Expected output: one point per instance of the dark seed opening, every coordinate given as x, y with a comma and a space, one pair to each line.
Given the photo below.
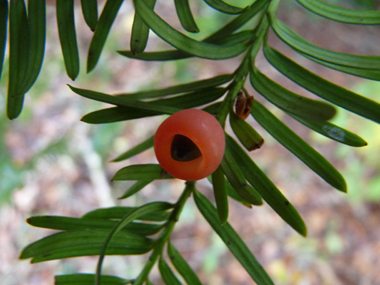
183, 149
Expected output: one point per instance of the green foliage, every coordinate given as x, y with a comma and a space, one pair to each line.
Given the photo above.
88, 279
348, 16
148, 228
102, 29
298, 147
181, 265
232, 240
90, 13
220, 194
18, 56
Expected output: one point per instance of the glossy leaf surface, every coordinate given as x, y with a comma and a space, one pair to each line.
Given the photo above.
141, 172
37, 31
90, 13
185, 101
128, 218
298, 147
18, 56
119, 212
333, 132
224, 7
140, 31
185, 16
247, 135
303, 46
238, 21
290, 102
67, 36
135, 150
181, 88
84, 242
116, 114
373, 74
223, 32
88, 279
322, 87
266, 188
232, 240
136, 188
220, 194
156, 55
68, 223
125, 102
234, 195
166, 273
184, 43
237, 37
103, 27
340, 14
182, 266
237, 179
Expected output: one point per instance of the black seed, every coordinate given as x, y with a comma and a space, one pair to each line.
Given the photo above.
184, 149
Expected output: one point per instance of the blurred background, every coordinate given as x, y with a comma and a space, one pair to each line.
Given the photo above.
51, 163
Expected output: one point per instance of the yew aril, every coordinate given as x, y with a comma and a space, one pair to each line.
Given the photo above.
190, 144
